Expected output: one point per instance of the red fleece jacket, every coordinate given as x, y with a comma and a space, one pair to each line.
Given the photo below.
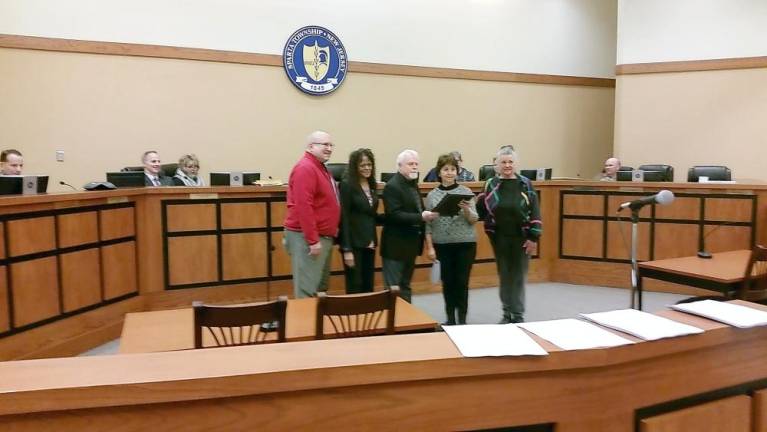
313, 207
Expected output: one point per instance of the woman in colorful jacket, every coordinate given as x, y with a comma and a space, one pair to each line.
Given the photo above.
509, 206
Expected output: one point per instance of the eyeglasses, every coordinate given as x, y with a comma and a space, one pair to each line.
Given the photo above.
330, 145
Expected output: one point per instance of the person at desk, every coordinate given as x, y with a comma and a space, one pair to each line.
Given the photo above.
11, 162
452, 240
464, 175
313, 216
403, 230
359, 213
152, 170
187, 172
610, 170
512, 217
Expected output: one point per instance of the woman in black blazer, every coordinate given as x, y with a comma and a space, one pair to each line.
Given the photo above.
359, 214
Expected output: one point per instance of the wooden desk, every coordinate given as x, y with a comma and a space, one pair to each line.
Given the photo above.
723, 272
172, 330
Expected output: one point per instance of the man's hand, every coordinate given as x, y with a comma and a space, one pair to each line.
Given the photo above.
315, 249
349, 259
428, 216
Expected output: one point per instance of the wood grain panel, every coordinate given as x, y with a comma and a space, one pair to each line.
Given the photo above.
244, 255
619, 240
675, 240
2, 240
583, 205
26, 236
731, 414
484, 248
378, 263
5, 319
731, 210
35, 290
80, 279
726, 238
280, 257
759, 411
682, 208
692, 65
582, 238
119, 267
77, 228
278, 209
118, 223
615, 201
192, 259
191, 217
336, 260
243, 215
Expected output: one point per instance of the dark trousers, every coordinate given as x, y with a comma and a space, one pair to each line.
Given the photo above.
455, 262
398, 273
511, 262
359, 279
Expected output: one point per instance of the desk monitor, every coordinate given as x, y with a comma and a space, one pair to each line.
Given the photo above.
234, 178
654, 176
26, 184
623, 176
126, 179
537, 174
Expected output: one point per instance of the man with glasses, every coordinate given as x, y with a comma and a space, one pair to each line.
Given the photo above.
312, 218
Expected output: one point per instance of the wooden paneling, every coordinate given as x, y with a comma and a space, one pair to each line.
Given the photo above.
759, 411
692, 65
35, 290
119, 268
279, 209
336, 259
244, 255
582, 238
26, 236
5, 319
615, 201
77, 228
731, 210
682, 208
280, 257
484, 248
191, 217
192, 259
117, 223
675, 240
243, 215
726, 238
2, 240
583, 205
378, 259
80, 279
731, 415
619, 240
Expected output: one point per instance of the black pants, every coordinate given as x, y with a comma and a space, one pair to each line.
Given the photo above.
456, 260
398, 273
511, 262
359, 279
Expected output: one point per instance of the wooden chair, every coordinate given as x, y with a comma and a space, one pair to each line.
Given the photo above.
754, 286
240, 325
356, 314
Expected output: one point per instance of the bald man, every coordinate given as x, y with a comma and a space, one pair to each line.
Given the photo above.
610, 171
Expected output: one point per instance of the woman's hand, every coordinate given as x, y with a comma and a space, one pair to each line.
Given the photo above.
431, 253
349, 259
530, 247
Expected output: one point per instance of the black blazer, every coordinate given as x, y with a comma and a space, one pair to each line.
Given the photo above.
403, 231
164, 181
358, 217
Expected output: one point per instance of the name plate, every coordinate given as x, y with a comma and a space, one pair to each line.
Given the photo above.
117, 200
203, 196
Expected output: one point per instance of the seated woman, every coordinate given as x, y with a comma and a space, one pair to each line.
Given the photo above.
186, 173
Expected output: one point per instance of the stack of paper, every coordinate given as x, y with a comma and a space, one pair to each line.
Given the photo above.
485, 340
641, 324
573, 334
728, 313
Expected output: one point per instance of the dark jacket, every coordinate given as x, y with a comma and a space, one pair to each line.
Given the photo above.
358, 217
164, 181
403, 231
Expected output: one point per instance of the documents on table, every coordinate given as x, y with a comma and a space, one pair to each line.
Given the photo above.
641, 324
573, 334
728, 313
484, 340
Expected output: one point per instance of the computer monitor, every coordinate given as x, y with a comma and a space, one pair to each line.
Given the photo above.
126, 179
15, 184
234, 178
532, 174
654, 176
623, 176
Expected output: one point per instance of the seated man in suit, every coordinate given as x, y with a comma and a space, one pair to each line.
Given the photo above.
11, 162
153, 170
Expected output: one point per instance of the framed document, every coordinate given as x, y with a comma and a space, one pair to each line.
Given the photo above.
449, 204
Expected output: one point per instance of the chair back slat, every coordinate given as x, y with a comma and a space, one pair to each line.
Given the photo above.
754, 286
239, 325
356, 314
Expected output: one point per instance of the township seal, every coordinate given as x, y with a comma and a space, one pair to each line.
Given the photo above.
315, 60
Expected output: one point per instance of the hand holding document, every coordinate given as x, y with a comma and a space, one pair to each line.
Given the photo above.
728, 313
573, 334
492, 340
641, 324
449, 205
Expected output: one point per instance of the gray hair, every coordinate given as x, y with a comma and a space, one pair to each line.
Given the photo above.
188, 158
456, 155
507, 151
404, 155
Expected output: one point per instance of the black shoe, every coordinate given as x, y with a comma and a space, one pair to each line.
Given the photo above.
517, 320
448, 323
505, 320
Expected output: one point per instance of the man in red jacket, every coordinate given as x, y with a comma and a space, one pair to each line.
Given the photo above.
312, 218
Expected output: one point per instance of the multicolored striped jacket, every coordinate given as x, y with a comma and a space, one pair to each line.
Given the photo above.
488, 200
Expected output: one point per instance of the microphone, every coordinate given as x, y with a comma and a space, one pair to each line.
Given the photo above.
63, 183
663, 197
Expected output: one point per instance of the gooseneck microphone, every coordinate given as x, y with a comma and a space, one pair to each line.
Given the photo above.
63, 183
663, 197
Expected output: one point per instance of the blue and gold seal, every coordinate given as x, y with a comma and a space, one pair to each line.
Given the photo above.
315, 60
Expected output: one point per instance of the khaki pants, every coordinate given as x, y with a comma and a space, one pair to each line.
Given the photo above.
310, 273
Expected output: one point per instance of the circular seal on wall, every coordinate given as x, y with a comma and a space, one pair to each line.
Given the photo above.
315, 60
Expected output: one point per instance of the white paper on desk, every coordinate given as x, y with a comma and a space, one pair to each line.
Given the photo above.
728, 313
641, 324
573, 334
485, 340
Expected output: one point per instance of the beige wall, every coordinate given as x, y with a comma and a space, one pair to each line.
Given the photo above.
104, 110
694, 118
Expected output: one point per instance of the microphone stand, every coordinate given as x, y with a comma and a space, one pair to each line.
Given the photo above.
636, 288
